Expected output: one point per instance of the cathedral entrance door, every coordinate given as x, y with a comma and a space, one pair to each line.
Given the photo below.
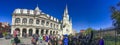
37, 31
24, 32
30, 32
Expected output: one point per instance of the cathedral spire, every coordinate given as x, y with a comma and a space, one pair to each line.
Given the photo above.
70, 20
66, 15
66, 9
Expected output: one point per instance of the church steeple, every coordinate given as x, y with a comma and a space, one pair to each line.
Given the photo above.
70, 20
66, 9
66, 22
66, 15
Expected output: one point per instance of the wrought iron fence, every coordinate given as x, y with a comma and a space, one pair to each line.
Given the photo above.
111, 37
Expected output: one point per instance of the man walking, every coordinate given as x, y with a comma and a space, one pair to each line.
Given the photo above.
101, 41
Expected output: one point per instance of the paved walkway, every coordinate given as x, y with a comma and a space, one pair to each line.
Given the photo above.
24, 41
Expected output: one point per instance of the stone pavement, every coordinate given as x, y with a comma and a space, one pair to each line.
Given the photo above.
4, 42
24, 41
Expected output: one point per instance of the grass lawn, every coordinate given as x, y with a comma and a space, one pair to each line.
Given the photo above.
112, 43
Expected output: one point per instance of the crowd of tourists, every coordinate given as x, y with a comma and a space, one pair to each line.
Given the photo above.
50, 39
66, 40
62, 39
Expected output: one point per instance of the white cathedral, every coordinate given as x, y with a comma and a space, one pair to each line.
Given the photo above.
37, 22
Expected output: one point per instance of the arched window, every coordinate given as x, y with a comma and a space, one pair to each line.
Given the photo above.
42, 22
17, 20
30, 21
47, 23
37, 21
57, 27
51, 25
24, 20
54, 25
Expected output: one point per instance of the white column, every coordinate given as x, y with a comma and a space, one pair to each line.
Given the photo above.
48, 32
27, 31
59, 26
34, 30
34, 22
20, 32
12, 30
45, 23
27, 21
39, 31
13, 20
40, 22
44, 31
49, 24
21, 21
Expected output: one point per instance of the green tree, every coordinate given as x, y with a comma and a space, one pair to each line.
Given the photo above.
116, 16
88, 31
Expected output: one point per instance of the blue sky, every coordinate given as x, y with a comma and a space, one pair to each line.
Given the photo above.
84, 13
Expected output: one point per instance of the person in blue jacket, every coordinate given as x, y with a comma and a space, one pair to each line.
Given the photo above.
46, 38
65, 40
101, 41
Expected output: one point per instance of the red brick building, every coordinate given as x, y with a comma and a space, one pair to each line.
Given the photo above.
82, 31
4, 27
